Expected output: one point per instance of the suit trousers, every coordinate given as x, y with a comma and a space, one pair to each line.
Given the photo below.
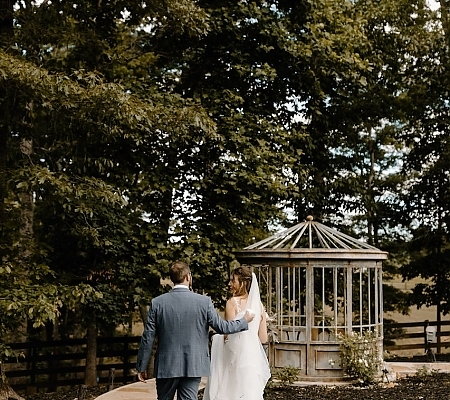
186, 388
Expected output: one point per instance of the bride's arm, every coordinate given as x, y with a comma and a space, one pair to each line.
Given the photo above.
230, 310
262, 330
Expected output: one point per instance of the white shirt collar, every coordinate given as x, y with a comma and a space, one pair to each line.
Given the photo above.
181, 286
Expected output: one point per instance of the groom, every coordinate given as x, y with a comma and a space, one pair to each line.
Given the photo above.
181, 320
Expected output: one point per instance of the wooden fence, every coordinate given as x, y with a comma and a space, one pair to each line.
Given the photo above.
62, 363
409, 336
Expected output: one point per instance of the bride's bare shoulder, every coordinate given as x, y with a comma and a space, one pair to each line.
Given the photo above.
230, 309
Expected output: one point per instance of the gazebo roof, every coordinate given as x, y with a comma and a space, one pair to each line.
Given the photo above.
310, 239
310, 234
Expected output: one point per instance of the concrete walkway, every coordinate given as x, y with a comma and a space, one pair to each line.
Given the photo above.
137, 391
147, 390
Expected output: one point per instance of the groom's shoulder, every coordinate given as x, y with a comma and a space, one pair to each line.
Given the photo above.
163, 297
201, 298
183, 293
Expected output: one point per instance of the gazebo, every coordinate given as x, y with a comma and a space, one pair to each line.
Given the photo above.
315, 283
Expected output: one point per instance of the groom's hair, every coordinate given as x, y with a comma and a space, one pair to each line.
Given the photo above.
178, 271
244, 276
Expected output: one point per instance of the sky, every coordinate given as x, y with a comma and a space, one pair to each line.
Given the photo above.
433, 4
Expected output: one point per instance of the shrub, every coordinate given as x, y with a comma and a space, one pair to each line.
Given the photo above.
359, 356
424, 371
282, 377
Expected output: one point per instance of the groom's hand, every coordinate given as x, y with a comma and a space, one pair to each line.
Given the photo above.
249, 316
142, 376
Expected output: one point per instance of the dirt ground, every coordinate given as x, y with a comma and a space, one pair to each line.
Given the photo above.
431, 387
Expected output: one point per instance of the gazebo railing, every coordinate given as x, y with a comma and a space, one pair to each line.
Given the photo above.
342, 299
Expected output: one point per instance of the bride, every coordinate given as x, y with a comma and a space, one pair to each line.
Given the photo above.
239, 366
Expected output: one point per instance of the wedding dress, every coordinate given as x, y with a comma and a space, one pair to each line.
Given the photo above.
239, 366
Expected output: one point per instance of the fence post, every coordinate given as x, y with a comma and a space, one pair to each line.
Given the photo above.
81, 392
112, 372
126, 359
33, 365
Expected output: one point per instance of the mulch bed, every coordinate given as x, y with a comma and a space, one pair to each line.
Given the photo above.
435, 386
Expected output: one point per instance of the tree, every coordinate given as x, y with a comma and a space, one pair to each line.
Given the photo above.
139, 133
83, 204
427, 165
261, 66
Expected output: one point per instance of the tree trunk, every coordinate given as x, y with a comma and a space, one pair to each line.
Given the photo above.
438, 331
6, 391
445, 19
27, 211
6, 23
90, 376
6, 34
53, 363
4, 132
143, 312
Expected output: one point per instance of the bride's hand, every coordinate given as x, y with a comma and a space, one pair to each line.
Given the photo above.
249, 315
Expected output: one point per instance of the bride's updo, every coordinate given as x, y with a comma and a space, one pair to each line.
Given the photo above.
244, 277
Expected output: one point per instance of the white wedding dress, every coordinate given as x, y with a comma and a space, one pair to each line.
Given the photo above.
239, 366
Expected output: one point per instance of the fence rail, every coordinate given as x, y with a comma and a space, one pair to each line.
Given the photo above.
411, 336
62, 362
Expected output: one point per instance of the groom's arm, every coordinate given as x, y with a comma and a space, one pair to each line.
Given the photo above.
226, 327
146, 345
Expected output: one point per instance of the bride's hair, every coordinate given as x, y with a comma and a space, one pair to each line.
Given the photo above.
244, 277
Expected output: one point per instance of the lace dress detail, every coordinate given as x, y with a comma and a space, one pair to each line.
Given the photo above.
239, 311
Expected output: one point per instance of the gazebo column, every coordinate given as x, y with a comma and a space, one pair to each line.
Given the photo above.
349, 299
309, 317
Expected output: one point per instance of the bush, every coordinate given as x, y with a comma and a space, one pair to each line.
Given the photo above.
282, 377
360, 356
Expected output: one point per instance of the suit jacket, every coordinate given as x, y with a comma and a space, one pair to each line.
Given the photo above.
181, 320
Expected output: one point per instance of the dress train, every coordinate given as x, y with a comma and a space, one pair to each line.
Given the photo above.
239, 366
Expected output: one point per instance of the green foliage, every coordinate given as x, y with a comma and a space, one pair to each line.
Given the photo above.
191, 138
29, 295
286, 375
360, 357
430, 257
427, 163
424, 372
95, 167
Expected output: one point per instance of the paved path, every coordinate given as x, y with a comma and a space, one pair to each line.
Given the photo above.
136, 391
147, 390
